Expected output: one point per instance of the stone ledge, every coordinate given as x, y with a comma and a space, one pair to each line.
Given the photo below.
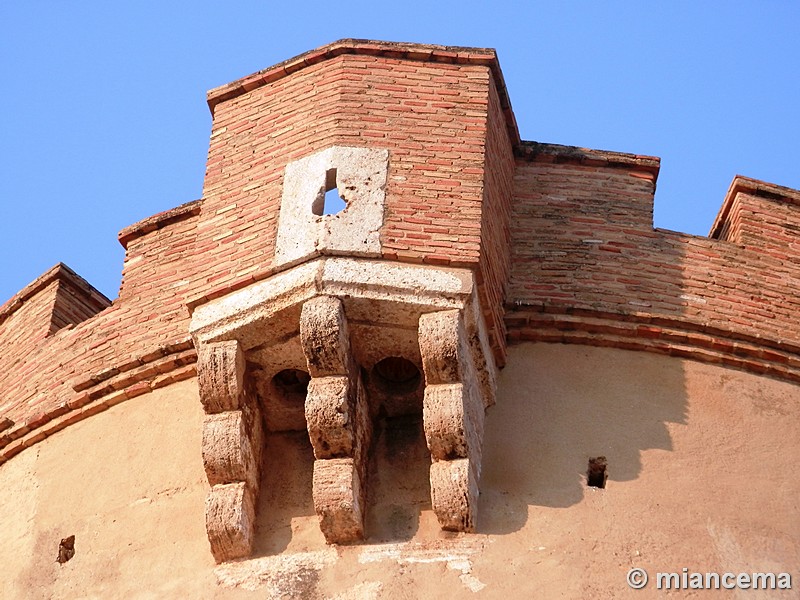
373, 279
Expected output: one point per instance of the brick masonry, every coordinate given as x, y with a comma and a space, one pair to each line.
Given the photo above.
560, 239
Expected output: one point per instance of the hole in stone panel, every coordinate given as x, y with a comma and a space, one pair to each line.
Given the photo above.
596, 474
293, 383
334, 203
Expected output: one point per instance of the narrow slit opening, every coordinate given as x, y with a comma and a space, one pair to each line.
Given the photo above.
333, 202
596, 475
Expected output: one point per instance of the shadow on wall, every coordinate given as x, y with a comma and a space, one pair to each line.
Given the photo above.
285, 496
398, 488
558, 406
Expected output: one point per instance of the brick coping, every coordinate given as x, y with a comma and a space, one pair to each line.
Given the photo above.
556, 153
755, 187
159, 220
681, 338
460, 55
58, 272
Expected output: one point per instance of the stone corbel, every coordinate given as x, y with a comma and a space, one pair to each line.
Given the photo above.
337, 418
232, 447
456, 396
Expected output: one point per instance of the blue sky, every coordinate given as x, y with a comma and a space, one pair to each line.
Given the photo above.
104, 120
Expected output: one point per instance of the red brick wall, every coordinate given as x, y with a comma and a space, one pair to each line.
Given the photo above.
495, 262
764, 222
139, 342
589, 267
74, 303
57, 299
431, 116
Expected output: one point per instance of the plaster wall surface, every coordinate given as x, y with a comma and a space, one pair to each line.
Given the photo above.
700, 460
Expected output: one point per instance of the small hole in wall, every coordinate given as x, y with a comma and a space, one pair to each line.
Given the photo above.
334, 203
66, 549
596, 474
396, 374
292, 382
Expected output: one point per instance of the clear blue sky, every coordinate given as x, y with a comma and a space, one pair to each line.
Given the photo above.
104, 120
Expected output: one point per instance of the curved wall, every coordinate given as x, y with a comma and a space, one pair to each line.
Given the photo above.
560, 238
129, 484
561, 244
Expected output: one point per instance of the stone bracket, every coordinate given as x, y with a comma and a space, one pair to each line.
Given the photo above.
230, 520
338, 420
232, 443
456, 396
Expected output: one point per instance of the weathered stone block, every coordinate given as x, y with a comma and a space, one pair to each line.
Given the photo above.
220, 375
360, 176
325, 337
331, 416
339, 499
454, 493
232, 448
453, 416
230, 521
441, 343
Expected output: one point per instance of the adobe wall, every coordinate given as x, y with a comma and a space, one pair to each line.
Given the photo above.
130, 485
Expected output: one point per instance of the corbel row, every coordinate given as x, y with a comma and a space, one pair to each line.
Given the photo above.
459, 386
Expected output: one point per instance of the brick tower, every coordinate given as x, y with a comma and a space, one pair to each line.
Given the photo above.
483, 370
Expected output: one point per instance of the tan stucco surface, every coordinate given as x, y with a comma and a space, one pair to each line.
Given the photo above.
701, 475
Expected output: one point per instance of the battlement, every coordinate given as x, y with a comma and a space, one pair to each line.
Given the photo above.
57, 299
458, 239
760, 216
424, 53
